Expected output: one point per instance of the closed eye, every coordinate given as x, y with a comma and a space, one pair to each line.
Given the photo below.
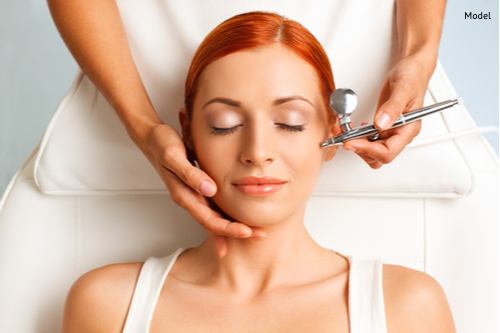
291, 128
224, 131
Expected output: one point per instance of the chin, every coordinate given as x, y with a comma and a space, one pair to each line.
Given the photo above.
253, 214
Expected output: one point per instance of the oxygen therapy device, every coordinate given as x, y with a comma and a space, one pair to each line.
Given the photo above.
344, 101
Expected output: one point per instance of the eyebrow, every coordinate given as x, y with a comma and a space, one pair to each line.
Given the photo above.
284, 100
223, 100
277, 102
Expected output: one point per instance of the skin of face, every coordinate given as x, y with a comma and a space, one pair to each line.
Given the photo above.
259, 112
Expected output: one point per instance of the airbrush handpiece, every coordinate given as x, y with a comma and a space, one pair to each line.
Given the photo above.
344, 106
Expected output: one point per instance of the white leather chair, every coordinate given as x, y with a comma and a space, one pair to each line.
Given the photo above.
86, 197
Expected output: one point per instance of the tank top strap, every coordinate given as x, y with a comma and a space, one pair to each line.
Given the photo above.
366, 298
147, 291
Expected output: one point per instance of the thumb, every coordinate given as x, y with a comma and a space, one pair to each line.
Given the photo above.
195, 178
391, 109
220, 245
399, 93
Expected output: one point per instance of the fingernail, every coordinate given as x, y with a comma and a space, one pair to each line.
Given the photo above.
350, 148
383, 120
207, 189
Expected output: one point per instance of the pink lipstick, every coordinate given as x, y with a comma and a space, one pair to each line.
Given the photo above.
258, 186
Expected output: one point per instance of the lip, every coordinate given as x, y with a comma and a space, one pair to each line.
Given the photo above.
258, 186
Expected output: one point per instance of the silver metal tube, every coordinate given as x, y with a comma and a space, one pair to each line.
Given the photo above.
369, 130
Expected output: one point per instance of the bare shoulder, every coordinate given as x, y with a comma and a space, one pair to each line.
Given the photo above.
415, 302
99, 300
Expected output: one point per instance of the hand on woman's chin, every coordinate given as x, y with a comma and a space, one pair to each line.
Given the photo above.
239, 217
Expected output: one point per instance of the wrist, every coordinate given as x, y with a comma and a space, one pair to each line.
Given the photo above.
428, 49
424, 56
139, 121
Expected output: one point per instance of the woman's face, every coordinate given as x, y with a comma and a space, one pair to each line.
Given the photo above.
257, 124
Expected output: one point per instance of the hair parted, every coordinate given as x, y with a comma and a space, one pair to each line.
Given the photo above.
254, 29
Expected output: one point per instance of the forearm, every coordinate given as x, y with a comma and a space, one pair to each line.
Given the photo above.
419, 26
94, 33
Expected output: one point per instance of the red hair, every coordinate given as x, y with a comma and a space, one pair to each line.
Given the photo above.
256, 29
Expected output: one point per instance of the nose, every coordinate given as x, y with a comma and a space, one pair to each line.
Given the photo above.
259, 146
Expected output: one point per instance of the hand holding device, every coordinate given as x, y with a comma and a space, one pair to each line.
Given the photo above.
344, 101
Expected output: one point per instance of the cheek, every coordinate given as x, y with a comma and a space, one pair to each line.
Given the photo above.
304, 157
305, 161
307, 145
214, 154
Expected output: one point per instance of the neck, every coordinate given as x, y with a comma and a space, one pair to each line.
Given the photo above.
288, 255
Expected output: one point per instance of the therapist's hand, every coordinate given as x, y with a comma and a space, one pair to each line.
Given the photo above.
188, 186
419, 25
94, 33
403, 90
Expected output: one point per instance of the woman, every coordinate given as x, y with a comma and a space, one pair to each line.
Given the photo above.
95, 35
256, 111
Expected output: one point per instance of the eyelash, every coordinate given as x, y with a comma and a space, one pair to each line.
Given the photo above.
225, 131
292, 128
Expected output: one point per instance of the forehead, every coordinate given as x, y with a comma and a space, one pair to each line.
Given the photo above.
259, 74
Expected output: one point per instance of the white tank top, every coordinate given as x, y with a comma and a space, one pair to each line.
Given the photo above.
366, 300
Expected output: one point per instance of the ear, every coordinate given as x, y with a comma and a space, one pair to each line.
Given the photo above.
186, 126
333, 131
182, 119
187, 138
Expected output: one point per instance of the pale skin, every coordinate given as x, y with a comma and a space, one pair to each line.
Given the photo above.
94, 33
287, 282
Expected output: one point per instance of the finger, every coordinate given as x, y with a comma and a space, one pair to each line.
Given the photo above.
385, 150
258, 233
175, 161
372, 163
352, 144
379, 150
197, 206
210, 220
358, 146
220, 245
402, 96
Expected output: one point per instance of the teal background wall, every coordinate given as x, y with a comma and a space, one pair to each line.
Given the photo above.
469, 55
